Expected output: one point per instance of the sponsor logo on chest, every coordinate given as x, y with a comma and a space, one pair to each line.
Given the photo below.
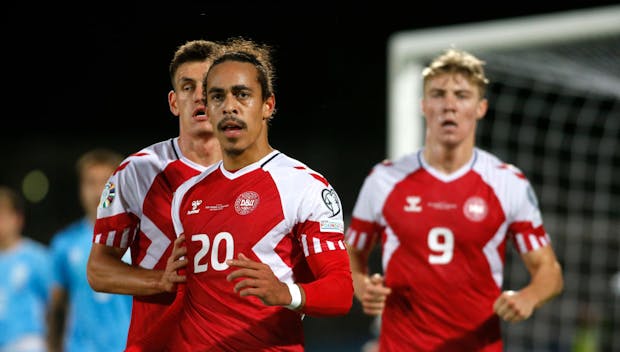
413, 204
195, 205
475, 207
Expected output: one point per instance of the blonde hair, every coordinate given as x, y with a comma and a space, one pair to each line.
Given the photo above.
458, 61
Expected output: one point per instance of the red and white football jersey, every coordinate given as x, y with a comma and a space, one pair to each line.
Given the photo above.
276, 211
134, 212
443, 243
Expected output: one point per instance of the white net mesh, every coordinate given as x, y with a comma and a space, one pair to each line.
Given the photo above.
555, 113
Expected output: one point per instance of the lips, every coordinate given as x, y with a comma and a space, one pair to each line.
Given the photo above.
232, 127
200, 114
449, 124
231, 123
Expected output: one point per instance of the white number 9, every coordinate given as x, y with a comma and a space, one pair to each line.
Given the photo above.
440, 240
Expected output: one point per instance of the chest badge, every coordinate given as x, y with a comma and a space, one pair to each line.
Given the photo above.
475, 209
246, 202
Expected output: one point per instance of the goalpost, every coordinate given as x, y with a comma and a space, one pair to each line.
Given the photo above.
408, 52
554, 111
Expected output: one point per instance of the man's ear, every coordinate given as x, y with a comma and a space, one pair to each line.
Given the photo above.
483, 105
269, 107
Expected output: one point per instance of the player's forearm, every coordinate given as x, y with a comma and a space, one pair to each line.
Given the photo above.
546, 283
328, 297
359, 283
332, 293
55, 320
114, 276
359, 271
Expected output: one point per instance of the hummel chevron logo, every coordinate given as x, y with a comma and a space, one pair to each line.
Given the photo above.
413, 204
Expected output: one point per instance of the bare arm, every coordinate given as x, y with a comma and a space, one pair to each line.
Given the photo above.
546, 282
56, 319
107, 272
370, 291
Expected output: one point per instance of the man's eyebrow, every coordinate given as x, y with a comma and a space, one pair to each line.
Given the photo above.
215, 90
185, 79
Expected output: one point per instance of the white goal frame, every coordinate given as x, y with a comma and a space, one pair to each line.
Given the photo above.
407, 51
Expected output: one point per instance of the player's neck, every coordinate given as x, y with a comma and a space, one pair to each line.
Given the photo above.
447, 159
204, 151
234, 160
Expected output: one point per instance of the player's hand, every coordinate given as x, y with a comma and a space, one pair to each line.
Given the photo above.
374, 295
514, 306
173, 274
257, 279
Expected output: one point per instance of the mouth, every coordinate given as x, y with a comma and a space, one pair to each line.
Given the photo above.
200, 114
231, 126
449, 124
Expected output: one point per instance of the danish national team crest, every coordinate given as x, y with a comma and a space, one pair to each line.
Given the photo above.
330, 198
108, 195
246, 202
475, 209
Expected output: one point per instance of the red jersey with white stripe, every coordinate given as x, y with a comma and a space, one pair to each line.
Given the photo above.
443, 247
276, 211
134, 212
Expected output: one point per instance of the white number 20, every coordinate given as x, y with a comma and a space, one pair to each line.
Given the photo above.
216, 263
440, 241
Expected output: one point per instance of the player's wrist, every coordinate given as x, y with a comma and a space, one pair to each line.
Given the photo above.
295, 292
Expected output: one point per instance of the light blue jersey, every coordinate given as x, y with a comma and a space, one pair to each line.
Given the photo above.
96, 322
25, 283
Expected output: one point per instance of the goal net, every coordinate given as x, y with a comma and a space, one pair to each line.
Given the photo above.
554, 111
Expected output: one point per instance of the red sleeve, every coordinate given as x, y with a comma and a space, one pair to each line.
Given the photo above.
363, 235
116, 231
331, 294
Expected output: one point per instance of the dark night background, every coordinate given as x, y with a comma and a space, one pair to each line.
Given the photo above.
94, 74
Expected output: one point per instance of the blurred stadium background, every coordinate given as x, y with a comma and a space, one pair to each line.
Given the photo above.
97, 76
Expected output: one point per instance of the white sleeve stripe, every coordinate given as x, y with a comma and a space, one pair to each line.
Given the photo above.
304, 243
543, 241
125, 238
110, 240
534, 242
98, 238
341, 245
350, 236
362, 241
317, 245
521, 243
330, 245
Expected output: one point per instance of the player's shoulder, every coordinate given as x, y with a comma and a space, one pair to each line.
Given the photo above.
396, 166
193, 181
156, 155
34, 247
284, 166
69, 232
489, 163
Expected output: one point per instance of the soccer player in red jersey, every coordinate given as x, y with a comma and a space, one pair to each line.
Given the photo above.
443, 216
135, 206
264, 233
